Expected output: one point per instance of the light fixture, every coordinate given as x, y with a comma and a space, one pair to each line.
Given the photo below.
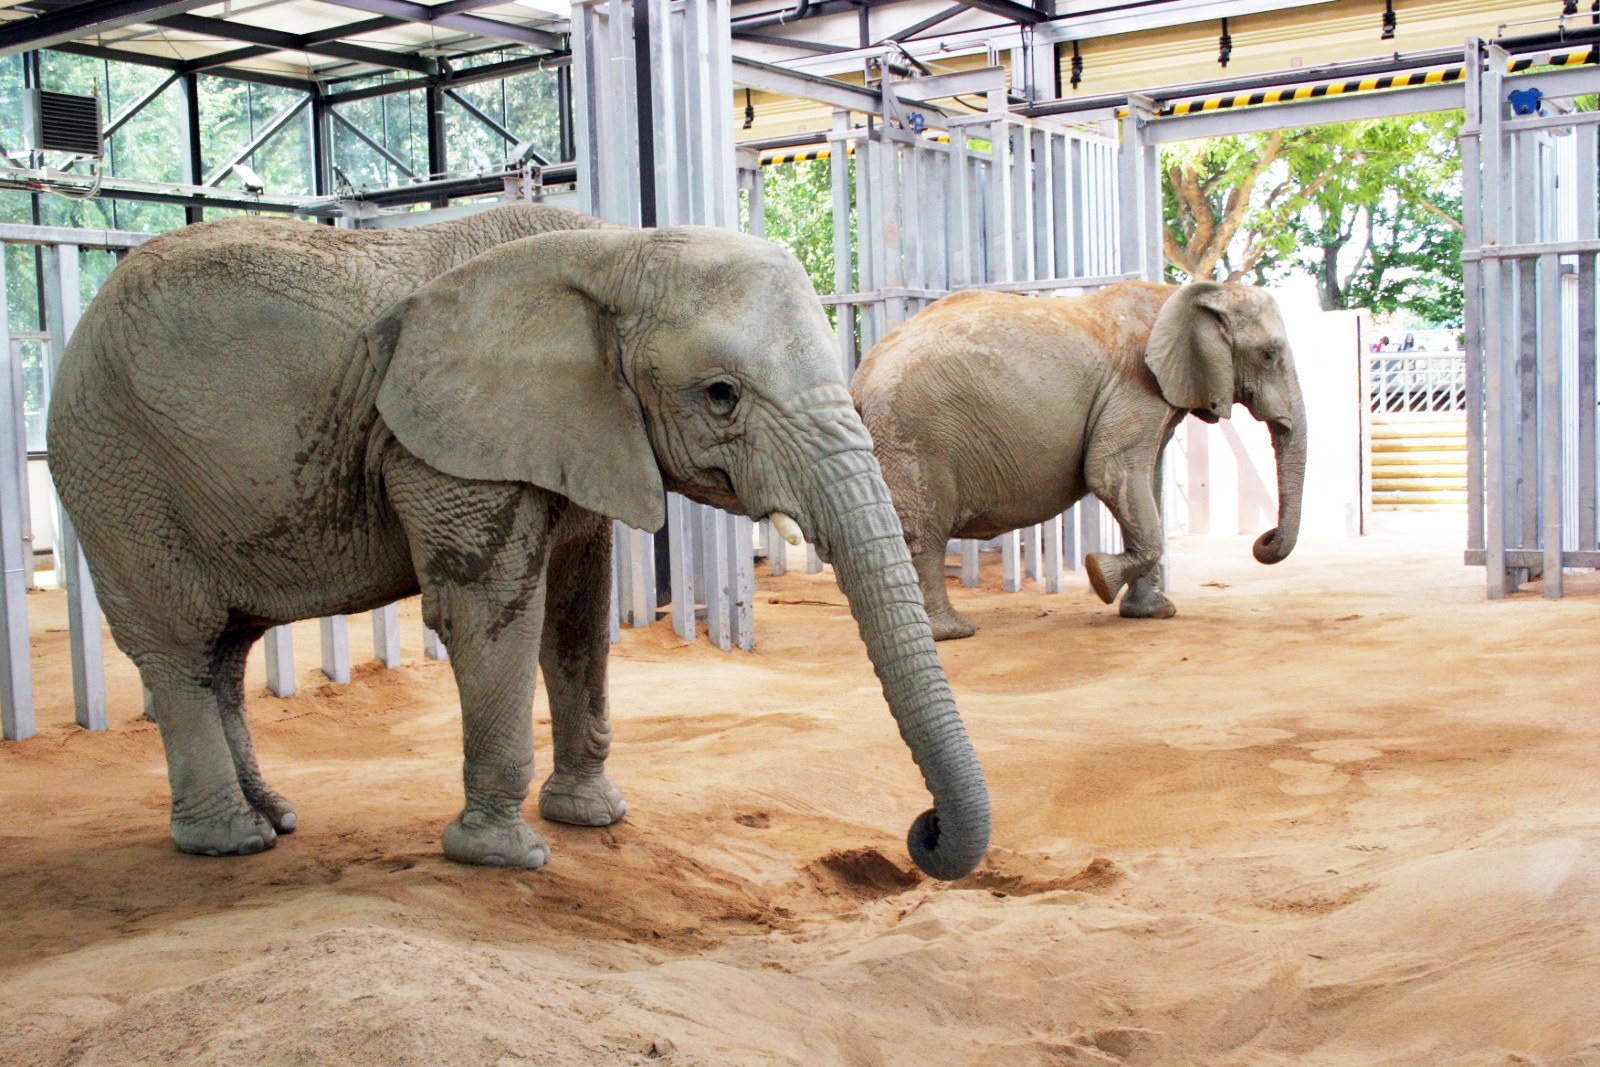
1388, 21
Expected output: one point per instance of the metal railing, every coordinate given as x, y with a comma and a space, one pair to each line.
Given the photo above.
1418, 382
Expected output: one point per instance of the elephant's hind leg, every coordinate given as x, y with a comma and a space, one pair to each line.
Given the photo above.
231, 654
927, 556
575, 649
210, 814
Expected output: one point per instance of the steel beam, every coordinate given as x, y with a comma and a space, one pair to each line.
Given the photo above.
386, 635
336, 648
455, 18
1022, 14
910, 32
478, 113
1323, 111
830, 91
270, 130
371, 142
63, 306
962, 83
293, 42
144, 59
279, 643
134, 108
16, 665
85, 20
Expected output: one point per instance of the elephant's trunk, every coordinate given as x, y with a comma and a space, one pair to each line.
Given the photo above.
854, 526
1289, 442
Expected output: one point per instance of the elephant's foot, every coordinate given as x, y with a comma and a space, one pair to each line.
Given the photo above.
239, 832
1144, 601
581, 801
278, 811
476, 837
1105, 575
951, 626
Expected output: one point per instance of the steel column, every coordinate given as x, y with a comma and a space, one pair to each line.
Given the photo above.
16, 666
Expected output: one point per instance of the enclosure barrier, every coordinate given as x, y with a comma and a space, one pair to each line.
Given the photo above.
1529, 248
24, 400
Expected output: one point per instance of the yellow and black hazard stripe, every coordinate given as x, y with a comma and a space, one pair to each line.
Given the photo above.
808, 153
1364, 85
1314, 92
1556, 59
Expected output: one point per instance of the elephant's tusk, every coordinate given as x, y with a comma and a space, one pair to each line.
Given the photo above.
787, 528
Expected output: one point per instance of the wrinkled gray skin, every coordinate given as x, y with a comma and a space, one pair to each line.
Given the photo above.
991, 412
260, 421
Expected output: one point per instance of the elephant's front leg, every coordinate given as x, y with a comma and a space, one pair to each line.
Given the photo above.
577, 642
1122, 481
480, 550
1144, 599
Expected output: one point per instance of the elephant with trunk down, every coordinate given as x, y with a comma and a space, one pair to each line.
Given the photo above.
991, 412
259, 421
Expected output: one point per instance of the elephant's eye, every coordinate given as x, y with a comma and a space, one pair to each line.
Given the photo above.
722, 396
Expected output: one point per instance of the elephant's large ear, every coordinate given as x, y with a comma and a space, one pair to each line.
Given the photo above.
1191, 350
507, 369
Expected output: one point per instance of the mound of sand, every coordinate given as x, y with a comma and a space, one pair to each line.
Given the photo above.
1340, 812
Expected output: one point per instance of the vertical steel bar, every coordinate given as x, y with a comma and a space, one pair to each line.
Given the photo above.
1588, 164
63, 302
433, 646
969, 563
717, 592
279, 642
1031, 552
742, 581
1491, 148
1011, 562
680, 548
16, 666
1550, 415
336, 648
1052, 554
386, 635
1525, 205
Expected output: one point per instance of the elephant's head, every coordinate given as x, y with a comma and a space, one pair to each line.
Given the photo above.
609, 364
1214, 345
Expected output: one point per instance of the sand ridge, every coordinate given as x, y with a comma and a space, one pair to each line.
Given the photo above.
1338, 812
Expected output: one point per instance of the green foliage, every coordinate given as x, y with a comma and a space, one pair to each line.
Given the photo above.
798, 201
1370, 210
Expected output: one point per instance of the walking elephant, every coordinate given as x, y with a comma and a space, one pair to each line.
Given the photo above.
991, 412
259, 421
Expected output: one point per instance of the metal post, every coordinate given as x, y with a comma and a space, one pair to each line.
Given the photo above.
1011, 562
189, 136
742, 575
321, 142
386, 635
62, 310
16, 668
433, 646
280, 661
336, 648
716, 590
969, 563
680, 539
1491, 147
1550, 421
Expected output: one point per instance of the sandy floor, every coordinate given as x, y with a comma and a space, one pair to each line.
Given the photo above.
1341, 811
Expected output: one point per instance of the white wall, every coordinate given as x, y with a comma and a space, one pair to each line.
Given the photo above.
1225, 476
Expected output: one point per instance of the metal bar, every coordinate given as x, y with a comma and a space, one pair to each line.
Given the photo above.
910, 32
24, 233
1052, 554
1472, 320
1524, 204
84, 20
1527, 558
270, 130
63, 306
292, 42
370, 142
742, 582
279, 642
815, 47
16, 666
1322, 111
1550, 421
1010, 10
1011, 562
484, 27
477, 113
680, 550
144, 59
748, 73
716, 592
1533, 249
386, 635
336, 648
321, 144
438, 145
193, 160
969, 563
1492, 153
433, 646
135, 107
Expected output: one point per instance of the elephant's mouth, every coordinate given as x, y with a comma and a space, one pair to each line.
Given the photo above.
710, 485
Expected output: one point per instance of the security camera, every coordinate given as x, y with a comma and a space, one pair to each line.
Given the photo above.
250, 179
